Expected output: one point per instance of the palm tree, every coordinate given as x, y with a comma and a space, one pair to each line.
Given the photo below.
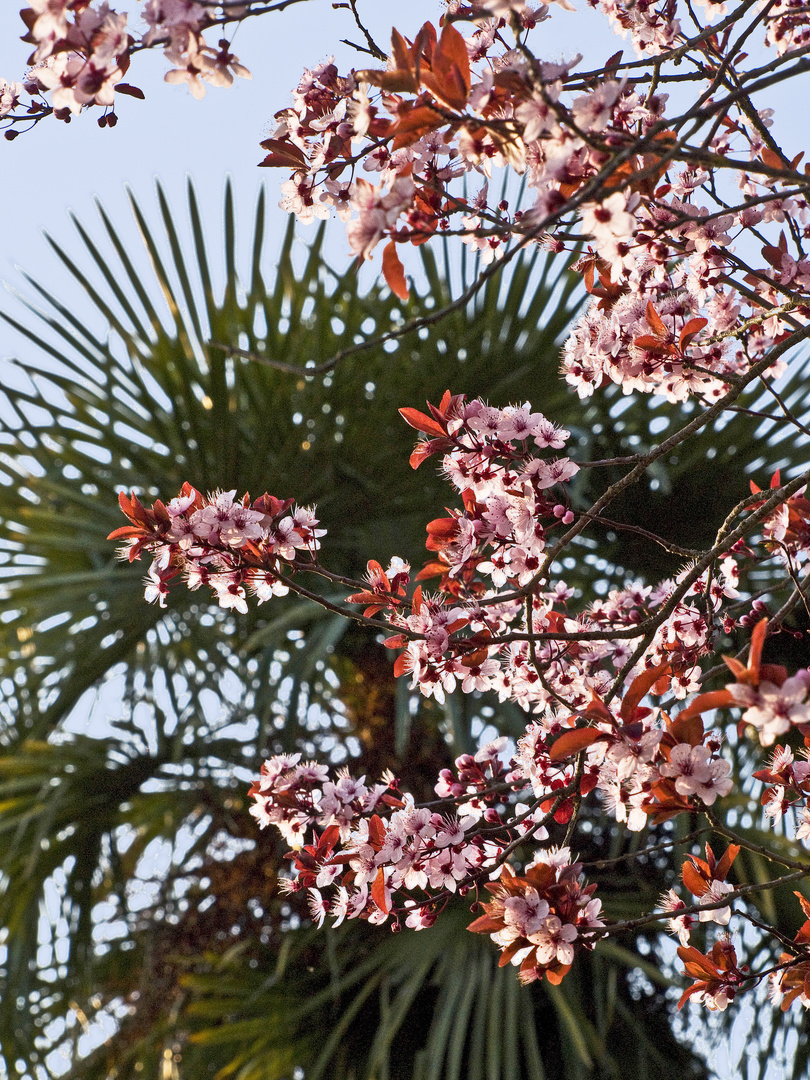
144, 932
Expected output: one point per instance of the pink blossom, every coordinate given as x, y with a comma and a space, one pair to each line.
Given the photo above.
715, 892
377, 212
681, 925
697, 773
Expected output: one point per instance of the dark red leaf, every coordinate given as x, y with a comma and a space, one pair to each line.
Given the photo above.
131, 91
714, 699
696, 884
283, 154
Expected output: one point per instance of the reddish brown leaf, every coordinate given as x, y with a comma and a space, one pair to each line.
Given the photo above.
134, 509
400, 51
589, 276
686, 729
621, 174
449, 80
690, 955
402, 665
510, 951
654, 165
378, 891
772, 255
475, 659
362, 598
771, 159
376, 832
424, 47
443, 530
737, 669
556, 976
395, 642
755, 653
329, 837
431, 569
654, 344
394, 271
597, 710
723, 867
392, 82
421, 422
714, 699
414, 121
471, 505
423, 450
162, 516
654, 320
485, 924
638, 688
125, 530
588, 782
451, 51
130, 91
571, 742
693, 327
696, 884
694, 989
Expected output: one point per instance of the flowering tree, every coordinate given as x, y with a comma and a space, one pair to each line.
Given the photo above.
661, 180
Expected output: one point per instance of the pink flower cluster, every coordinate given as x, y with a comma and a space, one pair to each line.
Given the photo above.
178, 26
378, 856
83, 49
693, 226
536, 918
473, 634
230, 546
82, 52
653, 28
635, 765
368, 851
790, 786
788, 26
772, 709
376, 849
670, 294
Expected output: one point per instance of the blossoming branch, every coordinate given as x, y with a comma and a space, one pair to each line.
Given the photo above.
503, 619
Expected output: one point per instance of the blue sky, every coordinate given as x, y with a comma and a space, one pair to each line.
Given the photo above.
171, 135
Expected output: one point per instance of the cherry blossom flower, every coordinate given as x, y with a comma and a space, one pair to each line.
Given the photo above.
773, 709
697, 773
377, 211
681, 925
10, 93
